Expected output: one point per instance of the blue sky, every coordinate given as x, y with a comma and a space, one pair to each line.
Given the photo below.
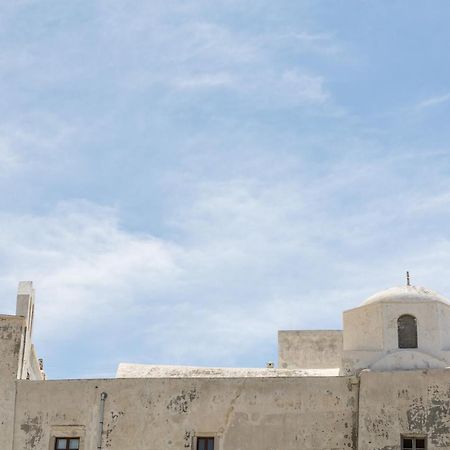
181, 179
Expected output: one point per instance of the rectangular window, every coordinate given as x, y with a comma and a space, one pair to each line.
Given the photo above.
205, 443
67, 443
414, 443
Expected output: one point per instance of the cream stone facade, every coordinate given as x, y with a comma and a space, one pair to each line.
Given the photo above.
381, 383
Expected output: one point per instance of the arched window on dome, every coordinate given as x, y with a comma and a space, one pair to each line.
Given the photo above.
407, 331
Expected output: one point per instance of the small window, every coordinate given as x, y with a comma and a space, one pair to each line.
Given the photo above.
67, 443
407, 331
413, 443
205, 443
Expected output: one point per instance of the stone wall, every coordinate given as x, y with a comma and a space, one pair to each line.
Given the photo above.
412, 403
11, 335
371, 337
311, 349
162, 414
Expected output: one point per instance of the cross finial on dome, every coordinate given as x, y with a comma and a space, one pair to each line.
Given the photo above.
408, 281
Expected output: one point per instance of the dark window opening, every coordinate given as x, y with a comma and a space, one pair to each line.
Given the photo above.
67, 443
407, 331
205, 443
411, 443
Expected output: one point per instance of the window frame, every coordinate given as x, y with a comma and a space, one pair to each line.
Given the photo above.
414, 438
68, 439
67, 432
206, 434
402, 335
206, 439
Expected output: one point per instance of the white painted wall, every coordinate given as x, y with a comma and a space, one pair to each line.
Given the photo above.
315, 413
413, 402
309, 349
247, 409
11, 332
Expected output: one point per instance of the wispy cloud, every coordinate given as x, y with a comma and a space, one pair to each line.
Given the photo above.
250, 256
78, 256
35, 141
433, 101
193, 54
307, 41
304, 87
204, 81
9, 160
245, 176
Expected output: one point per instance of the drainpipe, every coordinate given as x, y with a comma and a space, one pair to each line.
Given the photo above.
103, 396
358, 411
357, 382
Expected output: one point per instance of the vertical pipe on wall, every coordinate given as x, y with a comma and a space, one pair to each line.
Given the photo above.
103, 396
358, 406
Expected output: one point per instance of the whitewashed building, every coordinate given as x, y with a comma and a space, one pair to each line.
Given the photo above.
381, 383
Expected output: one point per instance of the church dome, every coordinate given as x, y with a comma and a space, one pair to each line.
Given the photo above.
406, 294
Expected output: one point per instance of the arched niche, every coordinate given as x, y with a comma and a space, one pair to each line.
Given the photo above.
407, 331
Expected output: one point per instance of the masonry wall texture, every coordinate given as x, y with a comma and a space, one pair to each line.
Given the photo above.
251, 414
309, 349
11, 329
335, 390
404, 403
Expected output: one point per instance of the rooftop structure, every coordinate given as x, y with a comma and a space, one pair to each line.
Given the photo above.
379, 383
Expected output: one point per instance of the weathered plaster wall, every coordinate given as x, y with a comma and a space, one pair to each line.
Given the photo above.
126, 370
444, 321
29, 366
18, 358
163, 414
11, 330
315, 349
371, 337
363, 328
409, 403
33, 365
427, 318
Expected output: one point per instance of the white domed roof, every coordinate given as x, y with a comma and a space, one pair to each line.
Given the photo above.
406, 294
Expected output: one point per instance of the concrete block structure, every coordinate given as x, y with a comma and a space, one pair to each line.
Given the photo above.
381, 383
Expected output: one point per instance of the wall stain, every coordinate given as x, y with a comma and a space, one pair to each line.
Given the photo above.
115, 416
180, 404
432, 416
230, 410
187, 439
379, 425
33, 429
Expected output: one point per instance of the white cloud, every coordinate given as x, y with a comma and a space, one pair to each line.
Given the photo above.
433, 101
204, 81
305, 41
304, 87
33, 140
82, 262
263, 235
181, 49
9, 160
251, 256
